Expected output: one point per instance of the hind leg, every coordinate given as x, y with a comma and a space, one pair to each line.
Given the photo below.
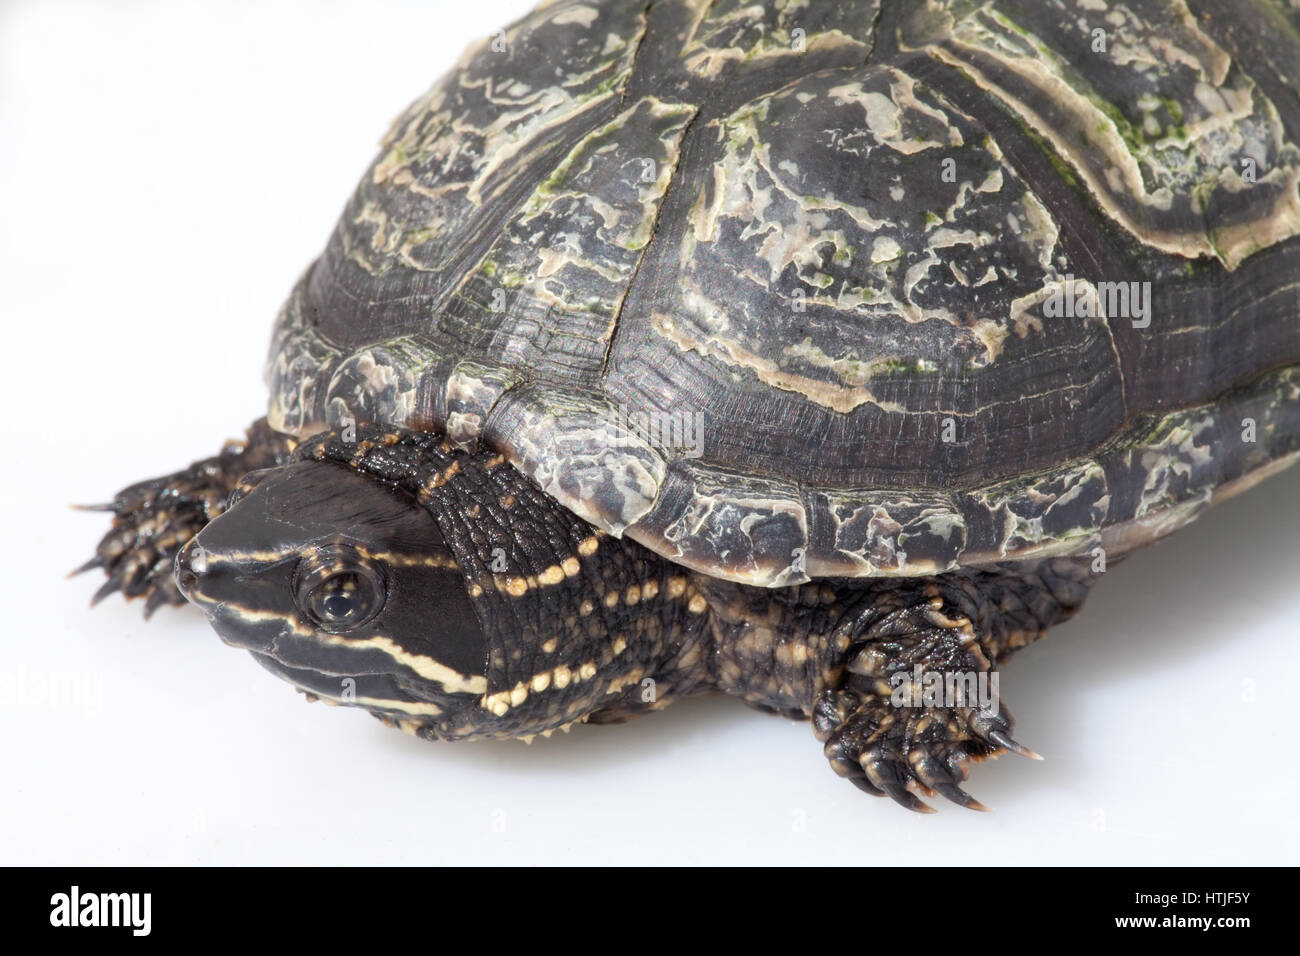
919, 697
154, 519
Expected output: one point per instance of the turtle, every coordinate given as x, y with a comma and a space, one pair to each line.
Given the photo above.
822, 355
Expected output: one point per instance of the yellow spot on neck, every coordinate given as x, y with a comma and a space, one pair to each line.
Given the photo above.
445, 476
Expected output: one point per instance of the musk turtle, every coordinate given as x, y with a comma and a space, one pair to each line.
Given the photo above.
819, 354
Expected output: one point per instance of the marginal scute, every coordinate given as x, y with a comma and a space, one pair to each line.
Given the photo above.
377, 384
746, 528
873, 533
472, 389
1056, 514
296, 369
580, 451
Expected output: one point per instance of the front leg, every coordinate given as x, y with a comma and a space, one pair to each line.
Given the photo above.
918, 698
154, 519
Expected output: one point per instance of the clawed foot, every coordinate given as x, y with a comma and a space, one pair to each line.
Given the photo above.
154, 519
918, 704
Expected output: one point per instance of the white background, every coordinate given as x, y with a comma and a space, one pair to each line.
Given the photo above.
166, 171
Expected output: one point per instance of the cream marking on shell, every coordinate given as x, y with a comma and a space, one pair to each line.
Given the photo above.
714, 40
1135, 185
783, 228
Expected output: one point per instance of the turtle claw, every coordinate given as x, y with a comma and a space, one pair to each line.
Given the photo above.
1006, 743
890, 751
156, 599
110, 586
95, 562
891, 780
960, 797
942, 779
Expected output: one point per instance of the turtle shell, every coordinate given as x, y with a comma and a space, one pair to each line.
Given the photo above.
807, 290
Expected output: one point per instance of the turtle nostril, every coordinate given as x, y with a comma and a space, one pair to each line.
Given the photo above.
191, 562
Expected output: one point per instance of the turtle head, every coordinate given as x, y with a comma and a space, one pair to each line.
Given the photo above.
344, 586
436, 587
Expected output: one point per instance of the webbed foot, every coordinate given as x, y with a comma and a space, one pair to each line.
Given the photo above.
919, 702
154, 519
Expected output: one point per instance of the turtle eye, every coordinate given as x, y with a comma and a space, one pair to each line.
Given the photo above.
338, 589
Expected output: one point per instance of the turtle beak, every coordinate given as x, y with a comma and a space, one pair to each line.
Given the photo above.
210, 584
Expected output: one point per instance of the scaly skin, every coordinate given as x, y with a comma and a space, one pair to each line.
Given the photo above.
154, 519
828, 651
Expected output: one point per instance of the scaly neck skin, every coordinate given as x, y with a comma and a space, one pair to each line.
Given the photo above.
577, 622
